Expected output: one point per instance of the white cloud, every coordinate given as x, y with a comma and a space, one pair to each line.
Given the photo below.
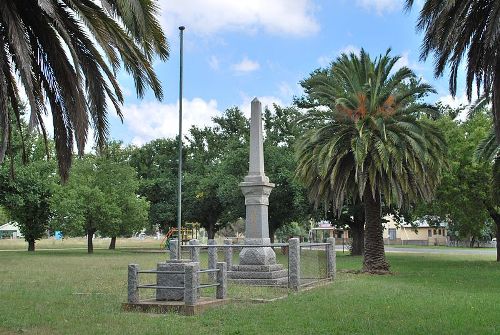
152, 120
350, 49
246, 65
404, 60
213, 62
454, 102
325, 60
207, 17
381, 6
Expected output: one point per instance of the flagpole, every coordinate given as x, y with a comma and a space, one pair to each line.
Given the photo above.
179, 181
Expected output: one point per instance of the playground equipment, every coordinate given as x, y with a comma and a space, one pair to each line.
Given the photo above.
188, 233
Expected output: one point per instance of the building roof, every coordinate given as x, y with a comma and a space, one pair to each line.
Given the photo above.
425, 224
9, 226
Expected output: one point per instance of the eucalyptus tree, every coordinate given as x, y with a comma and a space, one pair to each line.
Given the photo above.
67, 54
465, 31
369, 140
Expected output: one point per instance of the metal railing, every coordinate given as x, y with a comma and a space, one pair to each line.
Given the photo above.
295, 278
191, 276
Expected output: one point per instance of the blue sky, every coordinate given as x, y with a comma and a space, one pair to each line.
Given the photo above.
237, 50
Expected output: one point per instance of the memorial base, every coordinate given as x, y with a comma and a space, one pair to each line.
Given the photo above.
266, 275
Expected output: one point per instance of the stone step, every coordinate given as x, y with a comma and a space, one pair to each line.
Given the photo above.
257, 268
257, 275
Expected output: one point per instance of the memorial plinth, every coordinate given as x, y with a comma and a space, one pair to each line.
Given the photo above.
257, 264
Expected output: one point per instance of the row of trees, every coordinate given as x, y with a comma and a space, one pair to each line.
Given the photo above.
125, 189
99, 197
374, 144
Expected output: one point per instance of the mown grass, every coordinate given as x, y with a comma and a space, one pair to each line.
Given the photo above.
70, 292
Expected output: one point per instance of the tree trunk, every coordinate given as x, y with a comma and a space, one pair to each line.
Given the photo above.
357, 230
90, 244
358, 239
272, 231
112, 244
374, 256
31, 244
472, 241
211, 230
496, 101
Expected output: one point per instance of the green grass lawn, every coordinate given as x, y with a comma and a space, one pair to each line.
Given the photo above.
70, 292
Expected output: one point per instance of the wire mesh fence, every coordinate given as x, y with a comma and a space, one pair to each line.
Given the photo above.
313, 264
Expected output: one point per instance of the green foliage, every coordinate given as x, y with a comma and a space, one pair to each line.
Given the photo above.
4, 217
156, 165
216, 161
465, 33
293, 229
62, 68
100, 196
27, 197
465, 189
288, 200
368, 140
370, 136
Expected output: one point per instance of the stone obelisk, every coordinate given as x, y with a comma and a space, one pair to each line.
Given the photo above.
256, 189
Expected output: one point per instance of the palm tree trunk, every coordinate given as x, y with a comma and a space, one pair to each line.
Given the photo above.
374, 257
496, 101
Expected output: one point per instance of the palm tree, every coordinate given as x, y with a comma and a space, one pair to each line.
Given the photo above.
468, 29
66, 54
368, 141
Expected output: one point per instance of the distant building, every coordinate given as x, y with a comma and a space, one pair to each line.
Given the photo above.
420, 233
10, 230
325, 229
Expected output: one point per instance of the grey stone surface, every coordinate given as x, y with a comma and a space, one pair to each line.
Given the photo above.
283, 282
171, 280
294, 263
194, 251
228, 253
212, 258
331, 258
133, 282
173, 249
257, 256
191, 283
221, 291
259, 275
256, 189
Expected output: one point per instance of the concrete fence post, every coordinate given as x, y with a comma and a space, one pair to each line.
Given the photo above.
194, 251
133, 282
228, 253
173, 249
191, 283
294, 263
212, 258
221, 292
331, 256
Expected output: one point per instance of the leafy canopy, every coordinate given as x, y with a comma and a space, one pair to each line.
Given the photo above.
366, 132
66, 55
